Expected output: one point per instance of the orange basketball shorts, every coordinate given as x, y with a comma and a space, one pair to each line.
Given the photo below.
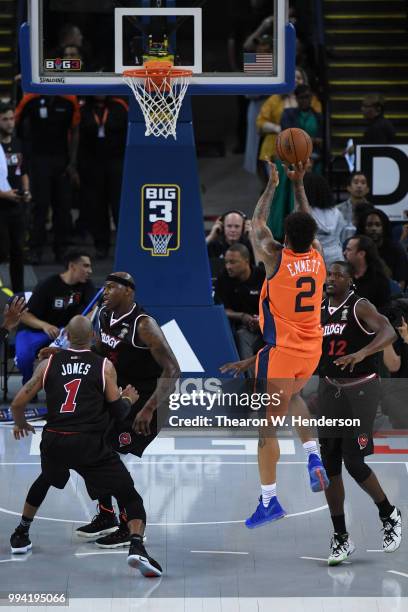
278, 372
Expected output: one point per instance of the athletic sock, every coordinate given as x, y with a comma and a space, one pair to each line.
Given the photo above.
105, 505
135, 537
339, 524
25, 523
311, 448
385, 509
268, 491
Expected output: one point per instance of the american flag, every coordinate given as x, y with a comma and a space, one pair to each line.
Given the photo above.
258, 62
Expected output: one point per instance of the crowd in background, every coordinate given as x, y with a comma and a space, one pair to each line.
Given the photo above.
64, 153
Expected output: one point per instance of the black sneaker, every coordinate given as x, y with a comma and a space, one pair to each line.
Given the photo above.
139, 559
20, 542
101, 524
116, 539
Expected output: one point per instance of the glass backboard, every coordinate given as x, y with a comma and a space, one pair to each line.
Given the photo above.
232, 46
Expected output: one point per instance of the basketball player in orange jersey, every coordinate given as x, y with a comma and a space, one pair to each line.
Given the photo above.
289, 317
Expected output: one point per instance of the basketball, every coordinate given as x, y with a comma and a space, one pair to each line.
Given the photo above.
294, 145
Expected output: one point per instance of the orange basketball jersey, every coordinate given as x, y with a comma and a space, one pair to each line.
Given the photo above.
290, 302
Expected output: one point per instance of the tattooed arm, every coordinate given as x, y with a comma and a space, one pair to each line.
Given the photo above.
152, 336
22, 398
296, 176
265, 246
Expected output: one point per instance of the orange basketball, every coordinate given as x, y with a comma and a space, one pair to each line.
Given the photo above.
293, 146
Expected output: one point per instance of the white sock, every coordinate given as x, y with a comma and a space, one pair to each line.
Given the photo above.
311, 448
268, 491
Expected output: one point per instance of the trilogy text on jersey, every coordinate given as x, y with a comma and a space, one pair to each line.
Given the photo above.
160, 222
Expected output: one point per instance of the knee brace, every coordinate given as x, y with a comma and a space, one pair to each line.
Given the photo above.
357, 468
38, 492
332, 460
133, 503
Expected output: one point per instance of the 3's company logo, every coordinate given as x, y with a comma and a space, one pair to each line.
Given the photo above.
62, 64
125, 439
362, 441
160, 223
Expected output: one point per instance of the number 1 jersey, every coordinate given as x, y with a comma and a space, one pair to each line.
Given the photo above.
74, 384
290, 301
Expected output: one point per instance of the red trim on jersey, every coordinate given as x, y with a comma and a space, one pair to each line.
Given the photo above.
46, 371
64, 433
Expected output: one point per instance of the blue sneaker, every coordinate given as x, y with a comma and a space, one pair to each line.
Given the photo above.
262, 515
317, 473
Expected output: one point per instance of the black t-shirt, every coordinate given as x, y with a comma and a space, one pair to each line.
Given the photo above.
103, 131
46, 121
396, 259
15, 163
218, 248
74, 384
374, 287
240, 296
121, 344
344, 334
56, 302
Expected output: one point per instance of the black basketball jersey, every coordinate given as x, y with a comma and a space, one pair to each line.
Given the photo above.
343, 334
74, 384
121, 344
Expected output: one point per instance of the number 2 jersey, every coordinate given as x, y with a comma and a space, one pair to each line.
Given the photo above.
344, 334
74, 384
290, 301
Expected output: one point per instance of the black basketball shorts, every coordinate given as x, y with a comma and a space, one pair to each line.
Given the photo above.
359, 402
86, 453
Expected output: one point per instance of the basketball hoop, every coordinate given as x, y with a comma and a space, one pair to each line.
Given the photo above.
159, 88
160, 237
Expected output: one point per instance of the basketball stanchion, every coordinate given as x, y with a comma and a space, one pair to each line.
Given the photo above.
159, 89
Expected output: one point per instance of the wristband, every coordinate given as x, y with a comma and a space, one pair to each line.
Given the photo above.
3, 333
126, 397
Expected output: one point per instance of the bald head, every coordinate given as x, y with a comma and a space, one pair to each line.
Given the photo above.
79, 331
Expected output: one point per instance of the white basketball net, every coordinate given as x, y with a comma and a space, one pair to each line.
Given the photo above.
160, 242
160, 103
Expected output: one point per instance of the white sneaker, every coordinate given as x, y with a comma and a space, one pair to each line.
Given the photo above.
392, 531
341, 547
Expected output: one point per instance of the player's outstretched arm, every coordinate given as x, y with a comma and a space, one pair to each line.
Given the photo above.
296, 175
376, 322
152, 336
26, 393
264, 244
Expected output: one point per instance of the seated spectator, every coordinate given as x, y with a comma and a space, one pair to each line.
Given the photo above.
238, 289
369, 271
230, 228
358, 189
306, 118
52, 305
396, 361
330, 222
375, 224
